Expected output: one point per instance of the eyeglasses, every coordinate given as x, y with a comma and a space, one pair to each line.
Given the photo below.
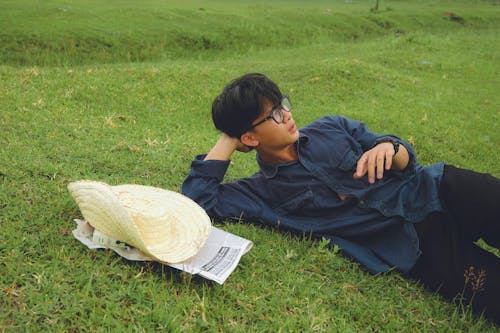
276, 113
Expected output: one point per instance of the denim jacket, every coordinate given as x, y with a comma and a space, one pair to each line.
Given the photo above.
374, 222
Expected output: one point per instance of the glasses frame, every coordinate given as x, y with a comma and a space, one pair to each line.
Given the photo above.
279, 109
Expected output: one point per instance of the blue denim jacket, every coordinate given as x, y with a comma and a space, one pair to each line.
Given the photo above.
374, 225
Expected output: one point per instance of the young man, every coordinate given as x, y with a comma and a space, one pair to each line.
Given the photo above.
364, 192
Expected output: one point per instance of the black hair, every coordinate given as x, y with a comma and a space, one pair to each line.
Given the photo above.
241, 102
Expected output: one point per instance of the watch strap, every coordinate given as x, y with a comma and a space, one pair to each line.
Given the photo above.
395, 143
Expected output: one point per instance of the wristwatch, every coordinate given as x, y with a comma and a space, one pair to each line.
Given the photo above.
395, 144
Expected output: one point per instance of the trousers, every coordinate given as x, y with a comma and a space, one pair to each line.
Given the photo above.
451, 262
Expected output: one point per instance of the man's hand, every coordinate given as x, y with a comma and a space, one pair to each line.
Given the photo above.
376, 160
242, 147
225, 147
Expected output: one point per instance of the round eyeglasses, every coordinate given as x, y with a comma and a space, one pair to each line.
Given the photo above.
276, 113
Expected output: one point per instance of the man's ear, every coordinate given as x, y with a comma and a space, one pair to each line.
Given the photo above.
249, 140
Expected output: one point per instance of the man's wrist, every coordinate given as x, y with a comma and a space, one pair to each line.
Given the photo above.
395, 143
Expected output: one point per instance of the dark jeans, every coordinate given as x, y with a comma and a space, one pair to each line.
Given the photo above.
451, 263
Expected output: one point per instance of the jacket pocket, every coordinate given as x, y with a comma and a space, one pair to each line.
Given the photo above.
349, 161
296, 203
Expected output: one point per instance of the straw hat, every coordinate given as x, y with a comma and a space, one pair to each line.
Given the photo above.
166, 225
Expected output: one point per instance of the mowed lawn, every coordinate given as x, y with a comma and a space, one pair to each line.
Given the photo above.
121, 92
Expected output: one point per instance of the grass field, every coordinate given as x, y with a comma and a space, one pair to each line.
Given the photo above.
121, 92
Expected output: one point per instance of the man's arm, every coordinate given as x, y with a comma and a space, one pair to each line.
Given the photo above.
224, 148
204, 185
379, 158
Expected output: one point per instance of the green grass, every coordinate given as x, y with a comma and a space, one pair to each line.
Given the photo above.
131, 104
72, 33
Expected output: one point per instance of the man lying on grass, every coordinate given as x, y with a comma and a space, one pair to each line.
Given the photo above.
363, 191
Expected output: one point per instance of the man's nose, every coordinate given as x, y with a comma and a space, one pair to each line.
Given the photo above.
286, 116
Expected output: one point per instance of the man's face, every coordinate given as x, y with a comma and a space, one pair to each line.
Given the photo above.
272, 136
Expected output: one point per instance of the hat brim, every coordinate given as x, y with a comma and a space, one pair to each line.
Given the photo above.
164, 224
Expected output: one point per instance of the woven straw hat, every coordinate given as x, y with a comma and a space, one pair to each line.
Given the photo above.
165, 225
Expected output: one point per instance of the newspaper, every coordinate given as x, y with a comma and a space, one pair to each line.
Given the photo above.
216, 260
